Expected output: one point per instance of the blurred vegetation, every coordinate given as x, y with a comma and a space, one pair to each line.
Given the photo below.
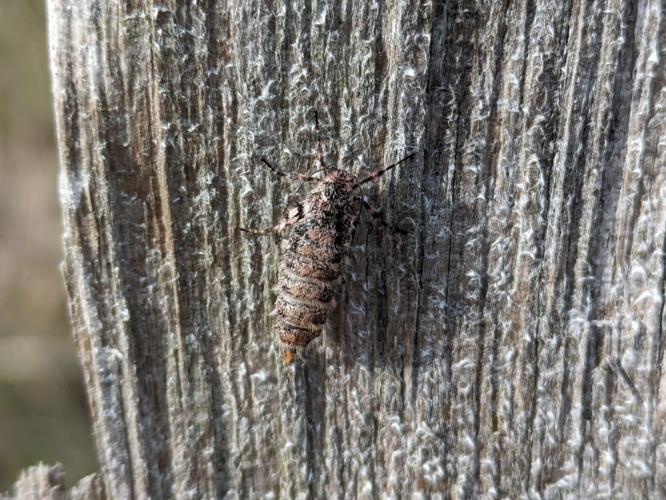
43, 409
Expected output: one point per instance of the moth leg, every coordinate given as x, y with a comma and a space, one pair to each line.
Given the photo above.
260, 232
291, 215
378, 217
300, 177
277, 229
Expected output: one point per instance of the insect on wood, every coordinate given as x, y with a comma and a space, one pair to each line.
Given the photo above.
321, 231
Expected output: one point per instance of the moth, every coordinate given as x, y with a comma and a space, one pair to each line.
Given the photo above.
321, 229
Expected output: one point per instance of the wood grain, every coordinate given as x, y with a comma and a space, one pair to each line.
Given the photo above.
510, 345
44, 482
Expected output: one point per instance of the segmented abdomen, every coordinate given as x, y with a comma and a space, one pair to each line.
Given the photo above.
308, 284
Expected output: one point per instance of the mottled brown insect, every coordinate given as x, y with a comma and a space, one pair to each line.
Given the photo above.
310, 275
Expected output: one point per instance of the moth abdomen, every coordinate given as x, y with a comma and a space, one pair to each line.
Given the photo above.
308, 315
311, 267
294, 337
307, 290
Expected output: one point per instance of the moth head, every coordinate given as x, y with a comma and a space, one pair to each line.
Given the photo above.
341, 177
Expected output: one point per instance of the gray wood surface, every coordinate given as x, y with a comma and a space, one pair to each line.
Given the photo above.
44, 482
510, 345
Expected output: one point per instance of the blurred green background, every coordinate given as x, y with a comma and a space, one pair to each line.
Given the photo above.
43, 408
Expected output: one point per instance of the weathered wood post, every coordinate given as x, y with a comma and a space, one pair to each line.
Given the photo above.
510, 345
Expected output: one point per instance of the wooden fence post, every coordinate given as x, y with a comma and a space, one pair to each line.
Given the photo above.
511, 344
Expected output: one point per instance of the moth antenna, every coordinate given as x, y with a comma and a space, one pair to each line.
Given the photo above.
378, 173
277, 171
320, 149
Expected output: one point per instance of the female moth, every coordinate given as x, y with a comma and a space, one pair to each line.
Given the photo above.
310, 273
